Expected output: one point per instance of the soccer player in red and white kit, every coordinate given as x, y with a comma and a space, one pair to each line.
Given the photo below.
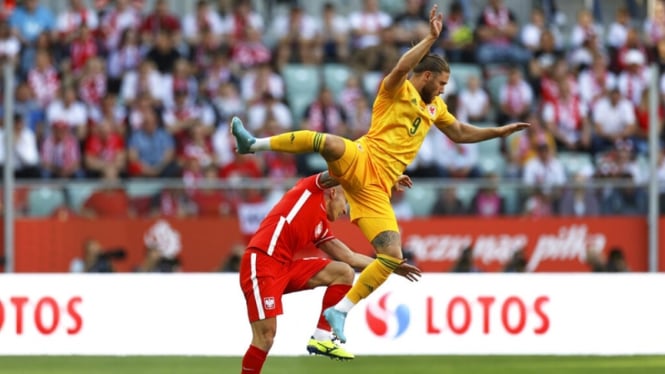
268, 268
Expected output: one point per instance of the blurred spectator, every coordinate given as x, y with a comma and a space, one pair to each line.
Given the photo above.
161, 19
82, 49
427, 163
223, 145
111, 112
474, 102
155, 262
296, 37
497, 30
109, 201
566, 118
260, 81
180, 80
231, 264
465, 262
634, 79
456, 160
552, 79
334, 35
366, 25
33, 114
544, 170
96, 259
122, 16
412, 24
241, 19
579, 200
68, 110
250, 51
105, 152
621, 163
43, 79
615, 262
543, 60
584, 29
29, 20
242, 166
522, 147
515, 98
163, 53
60, 153
204, 17
379, 57
325, 115
92, 85
532, 32
642, 113
219, 73
151, 149
613, 119
618, 30
633, 42
595, 82
9, 44
447, 203
517, 263
280, 166
457, 37
183, 115
487, 202
124, 59
144, 81
227, 102
25, 155
539, 204
654, 27
269, 116
360, 118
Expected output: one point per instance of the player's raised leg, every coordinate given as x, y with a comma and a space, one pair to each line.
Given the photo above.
389, 256
331, 147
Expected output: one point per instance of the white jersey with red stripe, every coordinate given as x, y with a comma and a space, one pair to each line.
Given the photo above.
295, 223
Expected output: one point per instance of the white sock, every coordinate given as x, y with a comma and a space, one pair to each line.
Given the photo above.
320, 334
344, 305
262, 144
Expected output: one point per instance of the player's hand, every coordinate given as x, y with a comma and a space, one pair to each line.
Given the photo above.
403, 182
409, 272
435, 22
514, 127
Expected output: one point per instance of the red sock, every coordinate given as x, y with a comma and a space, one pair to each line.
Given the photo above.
253, 360
333, 294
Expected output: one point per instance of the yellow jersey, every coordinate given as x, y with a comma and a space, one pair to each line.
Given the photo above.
400, 122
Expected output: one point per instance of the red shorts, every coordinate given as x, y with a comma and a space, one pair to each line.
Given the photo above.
264, 280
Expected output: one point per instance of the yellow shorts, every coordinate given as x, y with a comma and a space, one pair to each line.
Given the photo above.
367, 193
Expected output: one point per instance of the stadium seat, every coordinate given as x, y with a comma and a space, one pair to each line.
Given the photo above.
392, 7
78, 193
494, 85
576, 162
511, 199
421, 199
137, 188
490, 148
461, 72
43, 201
492, 164
335, 77
466, 193
302, 83
370, 83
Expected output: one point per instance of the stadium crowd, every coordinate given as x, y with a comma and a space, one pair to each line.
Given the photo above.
119, 92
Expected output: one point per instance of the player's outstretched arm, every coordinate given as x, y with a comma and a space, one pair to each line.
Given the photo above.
410, 59
339, 251
460, 132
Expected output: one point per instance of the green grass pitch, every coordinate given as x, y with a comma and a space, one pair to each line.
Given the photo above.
321, 365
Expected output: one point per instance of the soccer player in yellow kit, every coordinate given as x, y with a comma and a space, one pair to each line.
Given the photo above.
367, 168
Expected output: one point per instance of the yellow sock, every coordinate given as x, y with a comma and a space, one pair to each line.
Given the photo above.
372, 277
303, 141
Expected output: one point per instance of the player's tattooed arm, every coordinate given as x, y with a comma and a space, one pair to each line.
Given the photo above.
326, 181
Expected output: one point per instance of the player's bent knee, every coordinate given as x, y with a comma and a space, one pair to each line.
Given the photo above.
346, 274
388, 243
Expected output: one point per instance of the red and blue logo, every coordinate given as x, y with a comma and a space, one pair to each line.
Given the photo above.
387, 319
